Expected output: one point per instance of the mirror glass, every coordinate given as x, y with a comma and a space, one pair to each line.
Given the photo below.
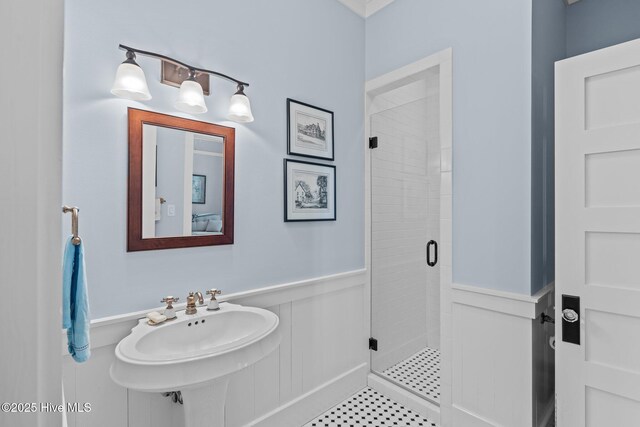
182, 183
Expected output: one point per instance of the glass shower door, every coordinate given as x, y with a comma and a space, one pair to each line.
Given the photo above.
400, 214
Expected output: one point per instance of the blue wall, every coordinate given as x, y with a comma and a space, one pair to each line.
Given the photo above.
548, 46
308, 50
596, 24
491, 43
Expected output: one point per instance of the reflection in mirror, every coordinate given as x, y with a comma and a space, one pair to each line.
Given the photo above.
182, 181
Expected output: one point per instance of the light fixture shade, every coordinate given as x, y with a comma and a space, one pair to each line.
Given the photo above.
131, 83
191, 98
240, 108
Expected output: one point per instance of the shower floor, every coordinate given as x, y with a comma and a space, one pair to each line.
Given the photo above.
420, 373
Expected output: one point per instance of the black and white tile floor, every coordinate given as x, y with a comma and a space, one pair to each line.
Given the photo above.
369, 408
420, 372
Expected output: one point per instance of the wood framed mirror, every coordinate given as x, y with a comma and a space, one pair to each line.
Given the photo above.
181, 182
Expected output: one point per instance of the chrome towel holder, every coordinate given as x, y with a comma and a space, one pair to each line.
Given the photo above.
74, 223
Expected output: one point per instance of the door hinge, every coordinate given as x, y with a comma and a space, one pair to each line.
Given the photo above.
373, 142
373, 344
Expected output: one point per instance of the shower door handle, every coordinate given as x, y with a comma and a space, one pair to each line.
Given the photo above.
434, 244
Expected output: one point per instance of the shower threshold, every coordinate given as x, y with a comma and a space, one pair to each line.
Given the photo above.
419, 374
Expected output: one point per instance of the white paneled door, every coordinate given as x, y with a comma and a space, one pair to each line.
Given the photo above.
598, 238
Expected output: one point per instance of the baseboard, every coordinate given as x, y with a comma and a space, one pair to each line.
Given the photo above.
313, 403
405, 398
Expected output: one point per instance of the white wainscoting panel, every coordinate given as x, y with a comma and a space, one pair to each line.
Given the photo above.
89, 382
322, 359
496, 357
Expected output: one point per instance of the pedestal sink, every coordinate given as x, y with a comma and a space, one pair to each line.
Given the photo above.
195, 354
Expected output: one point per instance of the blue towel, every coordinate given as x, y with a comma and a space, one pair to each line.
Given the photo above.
75, 302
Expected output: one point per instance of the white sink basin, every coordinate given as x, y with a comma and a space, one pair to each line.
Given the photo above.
195, 354
194, 349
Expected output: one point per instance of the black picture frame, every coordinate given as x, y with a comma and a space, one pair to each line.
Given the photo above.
310, 145
293, 211
203, 200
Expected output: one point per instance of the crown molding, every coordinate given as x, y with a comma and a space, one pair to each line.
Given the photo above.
357, 6
365, 8
375, 5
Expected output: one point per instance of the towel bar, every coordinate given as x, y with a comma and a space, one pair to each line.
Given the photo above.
74, 223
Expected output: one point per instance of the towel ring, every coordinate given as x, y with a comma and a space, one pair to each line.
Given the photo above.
74, 223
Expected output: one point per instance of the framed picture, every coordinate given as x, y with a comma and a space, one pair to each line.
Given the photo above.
309, 130
198, 189
309, 191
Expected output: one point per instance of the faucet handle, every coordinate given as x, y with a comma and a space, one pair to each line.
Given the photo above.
213, 292
213, 302
169, 300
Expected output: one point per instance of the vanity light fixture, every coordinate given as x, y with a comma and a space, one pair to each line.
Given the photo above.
131, 84
240, 107
191, 98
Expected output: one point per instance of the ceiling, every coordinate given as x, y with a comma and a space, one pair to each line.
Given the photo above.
365, 8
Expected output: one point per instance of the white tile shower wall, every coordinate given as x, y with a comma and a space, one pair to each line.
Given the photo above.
324, 335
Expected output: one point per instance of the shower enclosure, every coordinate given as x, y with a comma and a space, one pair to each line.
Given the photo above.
405, 227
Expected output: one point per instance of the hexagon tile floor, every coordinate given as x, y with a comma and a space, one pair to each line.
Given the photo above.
369, 408
420, 372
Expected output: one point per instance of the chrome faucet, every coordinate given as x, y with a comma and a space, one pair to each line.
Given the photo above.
191, 302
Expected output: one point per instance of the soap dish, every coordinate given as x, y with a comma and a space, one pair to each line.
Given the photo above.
159, 318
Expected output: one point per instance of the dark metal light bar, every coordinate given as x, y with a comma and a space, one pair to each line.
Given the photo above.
182, 64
